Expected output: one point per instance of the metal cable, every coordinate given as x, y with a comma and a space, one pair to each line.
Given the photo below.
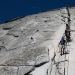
17, 70
58, 61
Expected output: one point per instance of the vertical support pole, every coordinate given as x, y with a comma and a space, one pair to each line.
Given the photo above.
48, 51
47, 71
64, 71
64, 63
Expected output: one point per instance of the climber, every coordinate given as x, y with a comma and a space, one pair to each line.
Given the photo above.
67, 27
62, 43
67, 34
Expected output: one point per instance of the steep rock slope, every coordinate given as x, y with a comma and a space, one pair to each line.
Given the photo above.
24, 41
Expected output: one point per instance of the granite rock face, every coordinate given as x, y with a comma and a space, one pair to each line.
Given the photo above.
25, 70
23, 41
8, 70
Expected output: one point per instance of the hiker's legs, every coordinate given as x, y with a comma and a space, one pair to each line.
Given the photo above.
68, 38
61, 49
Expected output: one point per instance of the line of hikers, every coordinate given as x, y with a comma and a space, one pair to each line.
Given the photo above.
63, 41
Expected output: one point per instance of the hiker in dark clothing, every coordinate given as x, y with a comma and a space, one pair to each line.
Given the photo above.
67, 27
67, 34
62, 43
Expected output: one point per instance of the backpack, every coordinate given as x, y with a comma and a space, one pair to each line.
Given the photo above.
62, 42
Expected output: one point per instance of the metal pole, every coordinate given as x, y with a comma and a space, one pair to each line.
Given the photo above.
47, 71
64, 71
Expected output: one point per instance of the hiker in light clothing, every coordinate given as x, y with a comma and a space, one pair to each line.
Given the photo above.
62, 43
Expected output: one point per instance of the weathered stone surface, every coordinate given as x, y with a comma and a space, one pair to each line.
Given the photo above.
24, 41
34, 56
6, 39
3, 32
1, 43
30, 32
15, 70
22, 70
8, 70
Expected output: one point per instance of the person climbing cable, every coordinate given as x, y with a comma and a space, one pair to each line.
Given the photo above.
67, 27
62, 43
67, 34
